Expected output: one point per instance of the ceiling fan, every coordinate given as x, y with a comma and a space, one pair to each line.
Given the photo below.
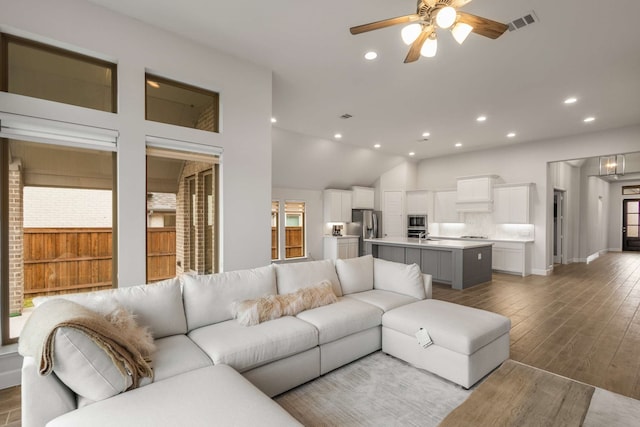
433, 14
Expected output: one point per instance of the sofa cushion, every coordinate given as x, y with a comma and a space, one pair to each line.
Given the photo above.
455, 327
245, 348
208, 298
397, 277
293, 276
355, 274
384, 300
86, 368
157, 306
214, 395
343, 318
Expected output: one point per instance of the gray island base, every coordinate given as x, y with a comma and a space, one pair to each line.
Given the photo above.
461, 264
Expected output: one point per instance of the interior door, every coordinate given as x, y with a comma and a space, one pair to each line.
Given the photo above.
392, 214
631, 225
558, 226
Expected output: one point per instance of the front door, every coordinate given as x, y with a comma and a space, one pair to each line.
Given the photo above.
631, 225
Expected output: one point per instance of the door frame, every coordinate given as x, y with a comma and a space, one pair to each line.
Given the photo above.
624, 222
559, 215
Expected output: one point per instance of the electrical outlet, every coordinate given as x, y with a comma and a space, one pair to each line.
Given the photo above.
479, 256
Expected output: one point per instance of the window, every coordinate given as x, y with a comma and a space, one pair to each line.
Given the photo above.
275, 231
182, 187
631, 190
295, 229
179, 104
47, 72
58, 223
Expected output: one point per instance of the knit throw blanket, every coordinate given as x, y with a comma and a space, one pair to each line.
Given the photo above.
38, 334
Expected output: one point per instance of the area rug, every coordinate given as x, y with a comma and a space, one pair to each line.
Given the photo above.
377, 390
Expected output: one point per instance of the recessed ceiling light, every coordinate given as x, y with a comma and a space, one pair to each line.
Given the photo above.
376, 146
153, 84
481, 118
371, 55
426, 134
511, 134
412, 153
337, 136
273, 120
571, 100
589, 119
458, 144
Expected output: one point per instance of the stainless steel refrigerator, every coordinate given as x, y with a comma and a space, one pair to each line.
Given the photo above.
366, 224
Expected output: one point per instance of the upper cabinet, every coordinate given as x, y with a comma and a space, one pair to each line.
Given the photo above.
418, 202
475, 193
445, 207
337, 206
362, 198
511, 204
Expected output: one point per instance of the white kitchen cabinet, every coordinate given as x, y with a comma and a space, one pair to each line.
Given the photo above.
362, 197
337, 206
511, 204
445, 207
475, 194
511, 257
340, 247
418, 202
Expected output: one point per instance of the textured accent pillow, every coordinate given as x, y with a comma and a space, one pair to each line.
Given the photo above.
255, 311
397, 277
355, 274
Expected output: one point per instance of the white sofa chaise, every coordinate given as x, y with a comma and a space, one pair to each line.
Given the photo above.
196, 335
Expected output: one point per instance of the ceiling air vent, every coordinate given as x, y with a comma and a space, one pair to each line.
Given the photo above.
523, 21
346, 116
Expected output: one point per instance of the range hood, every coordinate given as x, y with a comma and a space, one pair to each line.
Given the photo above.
475, 193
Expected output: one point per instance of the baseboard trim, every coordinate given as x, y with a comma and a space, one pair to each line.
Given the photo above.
541, 271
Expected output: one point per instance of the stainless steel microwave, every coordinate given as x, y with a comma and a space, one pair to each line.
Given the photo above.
417, 221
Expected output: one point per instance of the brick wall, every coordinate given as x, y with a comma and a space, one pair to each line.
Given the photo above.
46, 207
206, 121
16, 255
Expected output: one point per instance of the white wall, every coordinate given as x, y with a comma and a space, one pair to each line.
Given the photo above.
528, 163
314, 213
245, 137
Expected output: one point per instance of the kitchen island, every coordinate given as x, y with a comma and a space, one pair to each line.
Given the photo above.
458, 263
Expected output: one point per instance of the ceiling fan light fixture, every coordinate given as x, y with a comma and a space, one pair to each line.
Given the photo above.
410, 33
446, 17
430, 47
461, 31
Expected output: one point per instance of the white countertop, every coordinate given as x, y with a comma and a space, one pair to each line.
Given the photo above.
514, 240
444, 244
344, 236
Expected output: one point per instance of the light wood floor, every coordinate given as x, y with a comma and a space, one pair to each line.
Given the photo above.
582, 322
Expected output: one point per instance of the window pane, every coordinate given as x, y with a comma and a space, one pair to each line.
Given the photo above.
633, 207
182, 211
60, 223
632, 231
295, 229
632, 219
275, 235
180, 104
46, 72
631, 190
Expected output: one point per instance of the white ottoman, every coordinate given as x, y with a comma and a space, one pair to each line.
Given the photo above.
467, 343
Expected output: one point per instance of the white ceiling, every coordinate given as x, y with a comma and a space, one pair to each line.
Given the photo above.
581, 48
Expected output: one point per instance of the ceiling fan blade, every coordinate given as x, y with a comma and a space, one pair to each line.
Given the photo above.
483, 26
416, 46
384, 23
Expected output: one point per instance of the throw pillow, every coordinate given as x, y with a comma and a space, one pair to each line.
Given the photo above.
397, 277
317, 295
355, 274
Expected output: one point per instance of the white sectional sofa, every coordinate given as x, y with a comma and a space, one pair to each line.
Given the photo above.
208, 368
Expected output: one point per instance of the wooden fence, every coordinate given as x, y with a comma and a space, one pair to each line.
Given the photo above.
69, 260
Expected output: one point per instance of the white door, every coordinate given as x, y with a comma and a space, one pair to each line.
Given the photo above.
392, 216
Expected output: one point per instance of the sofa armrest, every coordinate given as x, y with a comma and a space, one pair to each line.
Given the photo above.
43, 397
427, 285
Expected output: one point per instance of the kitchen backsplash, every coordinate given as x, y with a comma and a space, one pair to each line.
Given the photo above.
481, 224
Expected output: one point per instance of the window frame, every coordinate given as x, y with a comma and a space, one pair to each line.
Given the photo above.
6, 38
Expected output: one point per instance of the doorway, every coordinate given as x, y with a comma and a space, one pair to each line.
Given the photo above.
558, 226
630, 225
